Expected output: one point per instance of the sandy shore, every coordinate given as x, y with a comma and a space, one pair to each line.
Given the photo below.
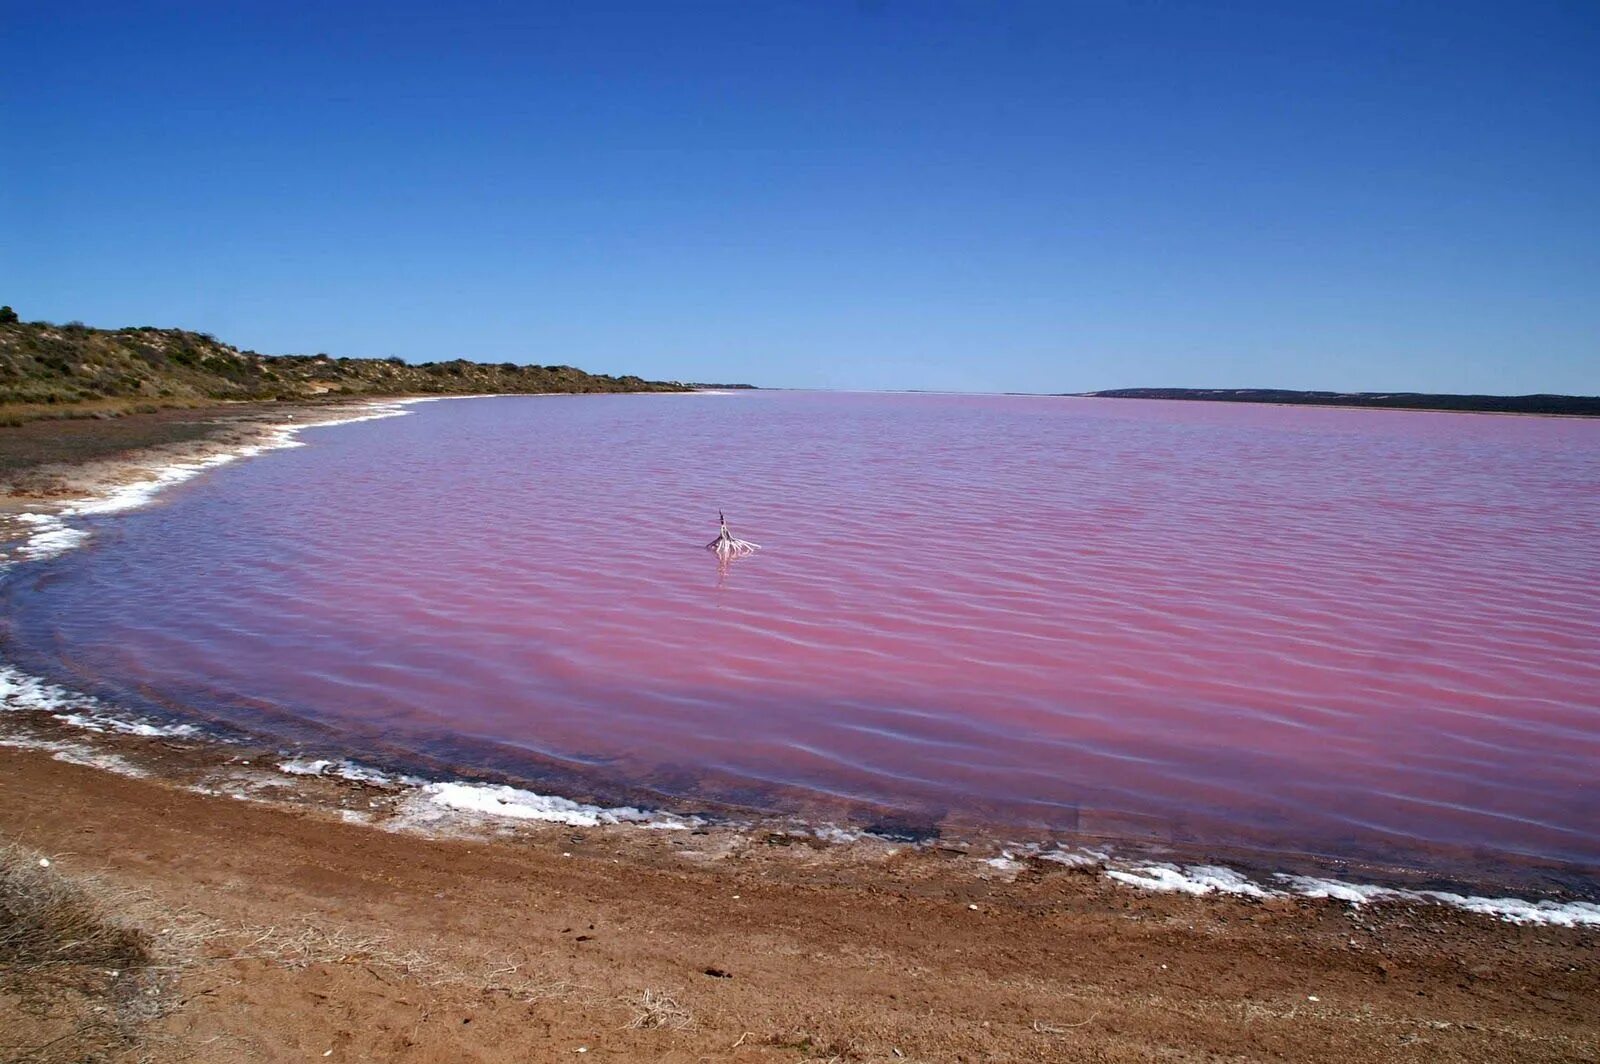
308, 917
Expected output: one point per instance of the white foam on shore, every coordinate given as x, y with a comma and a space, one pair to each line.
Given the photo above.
512, 803
1080, 858
1337, 889
49, 536
836, 835
452, 802
1215, 879
20, 692
1195, 879
1512, 910
76, 754
665, 822
346, 769
1519, 911
1005, 867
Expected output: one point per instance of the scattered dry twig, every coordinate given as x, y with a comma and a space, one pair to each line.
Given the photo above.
1040, 1027
656, 1010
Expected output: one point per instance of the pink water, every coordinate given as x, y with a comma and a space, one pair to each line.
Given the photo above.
1370, 634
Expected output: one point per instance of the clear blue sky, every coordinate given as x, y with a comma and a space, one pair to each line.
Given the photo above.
1036, 197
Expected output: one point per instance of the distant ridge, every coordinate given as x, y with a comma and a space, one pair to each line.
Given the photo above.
1572, 405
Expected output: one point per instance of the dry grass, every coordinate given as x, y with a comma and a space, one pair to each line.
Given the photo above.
817, 1045
1041, 1027
76, 979
13, 414
657, 1010
308, 944
299, 947
51, 928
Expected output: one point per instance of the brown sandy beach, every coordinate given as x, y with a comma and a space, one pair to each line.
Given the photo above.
292, 918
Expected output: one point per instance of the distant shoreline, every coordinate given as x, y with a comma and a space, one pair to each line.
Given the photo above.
1559, 405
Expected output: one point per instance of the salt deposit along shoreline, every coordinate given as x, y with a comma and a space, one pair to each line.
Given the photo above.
84, 777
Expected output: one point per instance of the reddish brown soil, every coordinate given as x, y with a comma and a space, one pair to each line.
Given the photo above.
323, 935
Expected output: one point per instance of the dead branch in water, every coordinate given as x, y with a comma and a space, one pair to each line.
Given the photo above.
727, 545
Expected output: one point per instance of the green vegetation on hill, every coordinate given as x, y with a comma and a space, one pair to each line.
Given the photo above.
42, 364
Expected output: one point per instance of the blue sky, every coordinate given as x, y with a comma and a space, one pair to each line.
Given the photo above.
993, 197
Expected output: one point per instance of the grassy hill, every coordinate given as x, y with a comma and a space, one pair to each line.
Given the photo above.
48, 368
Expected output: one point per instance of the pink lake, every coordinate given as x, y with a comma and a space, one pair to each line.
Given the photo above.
1372, 635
